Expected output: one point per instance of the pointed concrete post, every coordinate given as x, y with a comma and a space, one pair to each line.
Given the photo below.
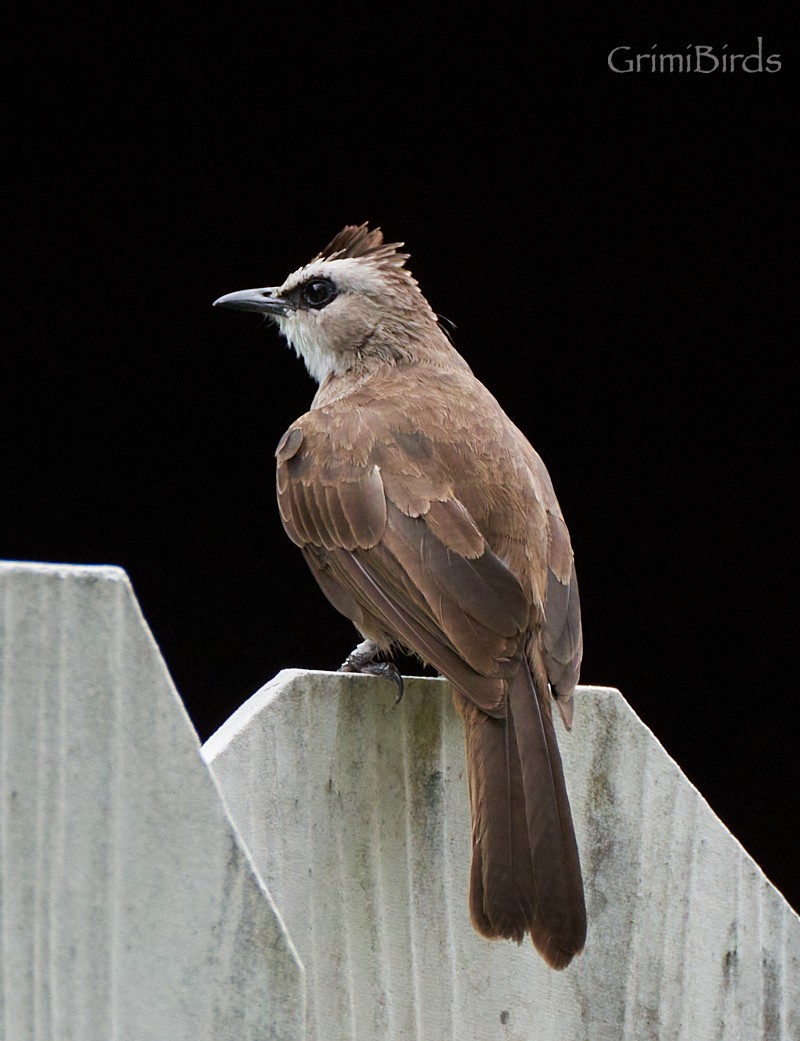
129, 910
356, 813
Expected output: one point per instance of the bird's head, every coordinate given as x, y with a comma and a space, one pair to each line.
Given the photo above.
353, 306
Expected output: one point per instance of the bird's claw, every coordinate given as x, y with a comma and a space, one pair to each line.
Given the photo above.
361, 660
389, 671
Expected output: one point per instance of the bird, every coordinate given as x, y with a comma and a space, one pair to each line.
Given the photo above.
427, 519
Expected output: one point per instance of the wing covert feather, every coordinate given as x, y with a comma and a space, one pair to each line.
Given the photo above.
415, 566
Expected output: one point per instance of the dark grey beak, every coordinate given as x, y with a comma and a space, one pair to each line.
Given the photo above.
262, 300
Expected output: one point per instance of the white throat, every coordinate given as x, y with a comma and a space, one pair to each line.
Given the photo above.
319, 361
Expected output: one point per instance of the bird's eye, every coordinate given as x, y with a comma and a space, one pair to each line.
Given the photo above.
319, 292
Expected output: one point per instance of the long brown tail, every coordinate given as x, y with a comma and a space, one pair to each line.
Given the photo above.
525, 874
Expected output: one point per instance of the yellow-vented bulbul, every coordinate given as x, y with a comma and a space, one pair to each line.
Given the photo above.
429, 520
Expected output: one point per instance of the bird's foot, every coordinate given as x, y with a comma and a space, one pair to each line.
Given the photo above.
362, 660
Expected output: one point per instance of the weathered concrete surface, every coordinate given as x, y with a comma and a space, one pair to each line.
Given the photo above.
128, 907
356, 814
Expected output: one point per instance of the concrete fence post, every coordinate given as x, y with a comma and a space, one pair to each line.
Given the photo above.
356, 813
129, 909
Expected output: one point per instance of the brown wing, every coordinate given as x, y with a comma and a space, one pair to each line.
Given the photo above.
429, 582
562, 639
561, 634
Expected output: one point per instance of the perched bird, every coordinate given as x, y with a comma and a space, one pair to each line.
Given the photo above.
431, 523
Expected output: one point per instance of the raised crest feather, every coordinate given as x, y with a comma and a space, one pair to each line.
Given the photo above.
357, 240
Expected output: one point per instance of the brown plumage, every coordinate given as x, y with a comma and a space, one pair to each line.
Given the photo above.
428, 520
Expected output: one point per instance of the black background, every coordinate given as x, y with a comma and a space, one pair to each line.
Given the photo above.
612, 249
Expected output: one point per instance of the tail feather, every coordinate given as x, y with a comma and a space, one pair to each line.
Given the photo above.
525, 875
501, 874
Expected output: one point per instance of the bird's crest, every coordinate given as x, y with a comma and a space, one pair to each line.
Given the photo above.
357, 240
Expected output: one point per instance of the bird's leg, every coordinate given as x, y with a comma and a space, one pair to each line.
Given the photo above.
362, 659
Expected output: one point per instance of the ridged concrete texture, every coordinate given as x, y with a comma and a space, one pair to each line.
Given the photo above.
356, 813
129, 910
